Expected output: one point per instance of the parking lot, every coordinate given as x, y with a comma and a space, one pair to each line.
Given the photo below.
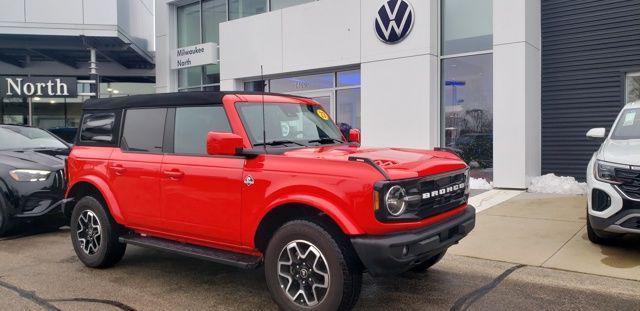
39, 271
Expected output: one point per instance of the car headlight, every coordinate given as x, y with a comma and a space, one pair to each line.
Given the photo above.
395, 201
606, 172
29, 175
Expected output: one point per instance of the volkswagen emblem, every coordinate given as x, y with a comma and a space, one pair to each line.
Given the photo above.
394, 21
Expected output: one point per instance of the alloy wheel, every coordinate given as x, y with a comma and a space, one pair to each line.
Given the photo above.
303, 273
89, 232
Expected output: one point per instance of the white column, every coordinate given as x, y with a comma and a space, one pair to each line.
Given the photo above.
516, 92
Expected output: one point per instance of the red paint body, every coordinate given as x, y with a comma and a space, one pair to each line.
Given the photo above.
203, 199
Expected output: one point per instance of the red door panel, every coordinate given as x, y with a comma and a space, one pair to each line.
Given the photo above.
135, 180
201, 197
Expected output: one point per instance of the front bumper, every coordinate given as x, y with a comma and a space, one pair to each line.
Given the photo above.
383, 255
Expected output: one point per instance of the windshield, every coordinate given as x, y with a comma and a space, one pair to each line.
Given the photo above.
289, 124
27, 138
628, 125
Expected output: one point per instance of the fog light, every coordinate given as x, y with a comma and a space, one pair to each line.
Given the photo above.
405, 251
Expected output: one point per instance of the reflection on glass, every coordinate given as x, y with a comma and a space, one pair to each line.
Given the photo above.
349, 78
325, 102
633, 87
467, 99
189, 77
280, 4
188, 25
348, 114
303, 83
48, 113
244, 8
467, 26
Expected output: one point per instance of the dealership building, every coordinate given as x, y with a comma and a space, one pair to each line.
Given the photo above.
514, 84
53, 42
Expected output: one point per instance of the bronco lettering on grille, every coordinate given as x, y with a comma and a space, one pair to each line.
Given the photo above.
443, 191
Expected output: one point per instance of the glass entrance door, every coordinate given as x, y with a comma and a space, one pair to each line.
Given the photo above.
325, 98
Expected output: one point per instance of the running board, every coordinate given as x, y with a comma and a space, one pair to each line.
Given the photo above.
210, 254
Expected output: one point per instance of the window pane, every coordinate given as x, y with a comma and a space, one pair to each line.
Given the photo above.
214, 12
348, 114
189, 77
467, 100
192, 126
144, 130
304, 83
212, 74
189, 25
98, 127
244, 8
280, 4
633, 87
349, 78
14, 111
48, 113
467, 26
254, 86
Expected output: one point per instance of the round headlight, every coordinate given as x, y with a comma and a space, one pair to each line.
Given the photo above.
395, 200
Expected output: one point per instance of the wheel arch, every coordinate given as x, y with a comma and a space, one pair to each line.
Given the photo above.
95, 187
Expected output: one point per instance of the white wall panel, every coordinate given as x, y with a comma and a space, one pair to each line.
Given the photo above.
321, 34
247, 43
100, 12
54, 11
136, 21
12, 11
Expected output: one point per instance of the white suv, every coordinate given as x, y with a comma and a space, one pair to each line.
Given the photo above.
613, 179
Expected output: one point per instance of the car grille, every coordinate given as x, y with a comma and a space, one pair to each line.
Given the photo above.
630, 182
444, 202
59, 181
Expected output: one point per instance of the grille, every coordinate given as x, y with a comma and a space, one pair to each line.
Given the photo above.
442, 202
630, 182
59, 181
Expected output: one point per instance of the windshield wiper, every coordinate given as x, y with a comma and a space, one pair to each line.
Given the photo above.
280, 143
327, 140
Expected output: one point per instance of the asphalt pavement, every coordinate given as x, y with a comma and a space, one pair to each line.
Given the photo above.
41, 272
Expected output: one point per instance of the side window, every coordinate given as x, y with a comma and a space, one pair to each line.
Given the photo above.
192, 126
144, 130
98, 127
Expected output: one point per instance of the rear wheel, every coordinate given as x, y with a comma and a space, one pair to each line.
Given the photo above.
599, 237
94, 234
424, 266
308, 268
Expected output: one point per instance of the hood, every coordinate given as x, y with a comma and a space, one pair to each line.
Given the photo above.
621, 151
398, 163
51, 159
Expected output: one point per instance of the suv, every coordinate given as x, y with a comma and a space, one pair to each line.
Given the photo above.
250, 179
613, 179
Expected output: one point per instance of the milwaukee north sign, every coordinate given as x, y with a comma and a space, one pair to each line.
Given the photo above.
193, 56
38, 86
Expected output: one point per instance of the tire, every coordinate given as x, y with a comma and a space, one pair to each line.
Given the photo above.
344, 278
106, 250
599, 237
424, 266
6, 223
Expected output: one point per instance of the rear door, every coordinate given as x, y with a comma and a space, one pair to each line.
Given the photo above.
200, 193
134, 168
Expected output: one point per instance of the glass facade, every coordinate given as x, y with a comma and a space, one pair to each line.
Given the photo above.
467, 82
633, 87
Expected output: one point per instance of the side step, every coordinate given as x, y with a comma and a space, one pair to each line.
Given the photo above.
210, 254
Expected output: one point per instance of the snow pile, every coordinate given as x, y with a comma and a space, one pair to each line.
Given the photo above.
479, 184
553, 184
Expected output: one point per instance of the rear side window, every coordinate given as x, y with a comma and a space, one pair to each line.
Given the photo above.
98, 128
192, 126
144, 130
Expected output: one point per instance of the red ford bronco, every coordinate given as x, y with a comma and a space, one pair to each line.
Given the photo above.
250, 179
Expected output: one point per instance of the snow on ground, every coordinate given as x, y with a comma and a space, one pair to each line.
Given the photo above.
553, 184
479, 184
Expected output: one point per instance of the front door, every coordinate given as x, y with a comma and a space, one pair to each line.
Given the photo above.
201, 193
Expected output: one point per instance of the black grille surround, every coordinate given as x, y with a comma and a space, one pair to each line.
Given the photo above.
630, 182
451, 189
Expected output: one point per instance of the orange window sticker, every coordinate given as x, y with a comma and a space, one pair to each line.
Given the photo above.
323, 115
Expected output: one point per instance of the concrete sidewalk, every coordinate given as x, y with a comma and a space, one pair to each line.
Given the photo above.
547, 231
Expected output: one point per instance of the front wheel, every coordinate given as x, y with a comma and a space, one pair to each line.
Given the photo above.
308, 268
6, 224
94, 234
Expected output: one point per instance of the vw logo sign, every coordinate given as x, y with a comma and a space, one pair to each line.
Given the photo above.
394, 21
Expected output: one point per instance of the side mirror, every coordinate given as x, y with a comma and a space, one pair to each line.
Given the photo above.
597, 133
354, 136
225, 144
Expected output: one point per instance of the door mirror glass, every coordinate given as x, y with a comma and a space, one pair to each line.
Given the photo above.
224, 144
597, 133
354, 136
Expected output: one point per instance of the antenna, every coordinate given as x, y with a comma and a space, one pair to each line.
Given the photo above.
264, 122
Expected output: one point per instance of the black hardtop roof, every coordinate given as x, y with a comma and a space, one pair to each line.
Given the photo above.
166, 100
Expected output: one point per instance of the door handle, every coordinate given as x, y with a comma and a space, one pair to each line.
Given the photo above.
173, 174
118, 169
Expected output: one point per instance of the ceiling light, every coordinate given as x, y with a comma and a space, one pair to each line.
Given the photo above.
53, 101
116, 92
36, 98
